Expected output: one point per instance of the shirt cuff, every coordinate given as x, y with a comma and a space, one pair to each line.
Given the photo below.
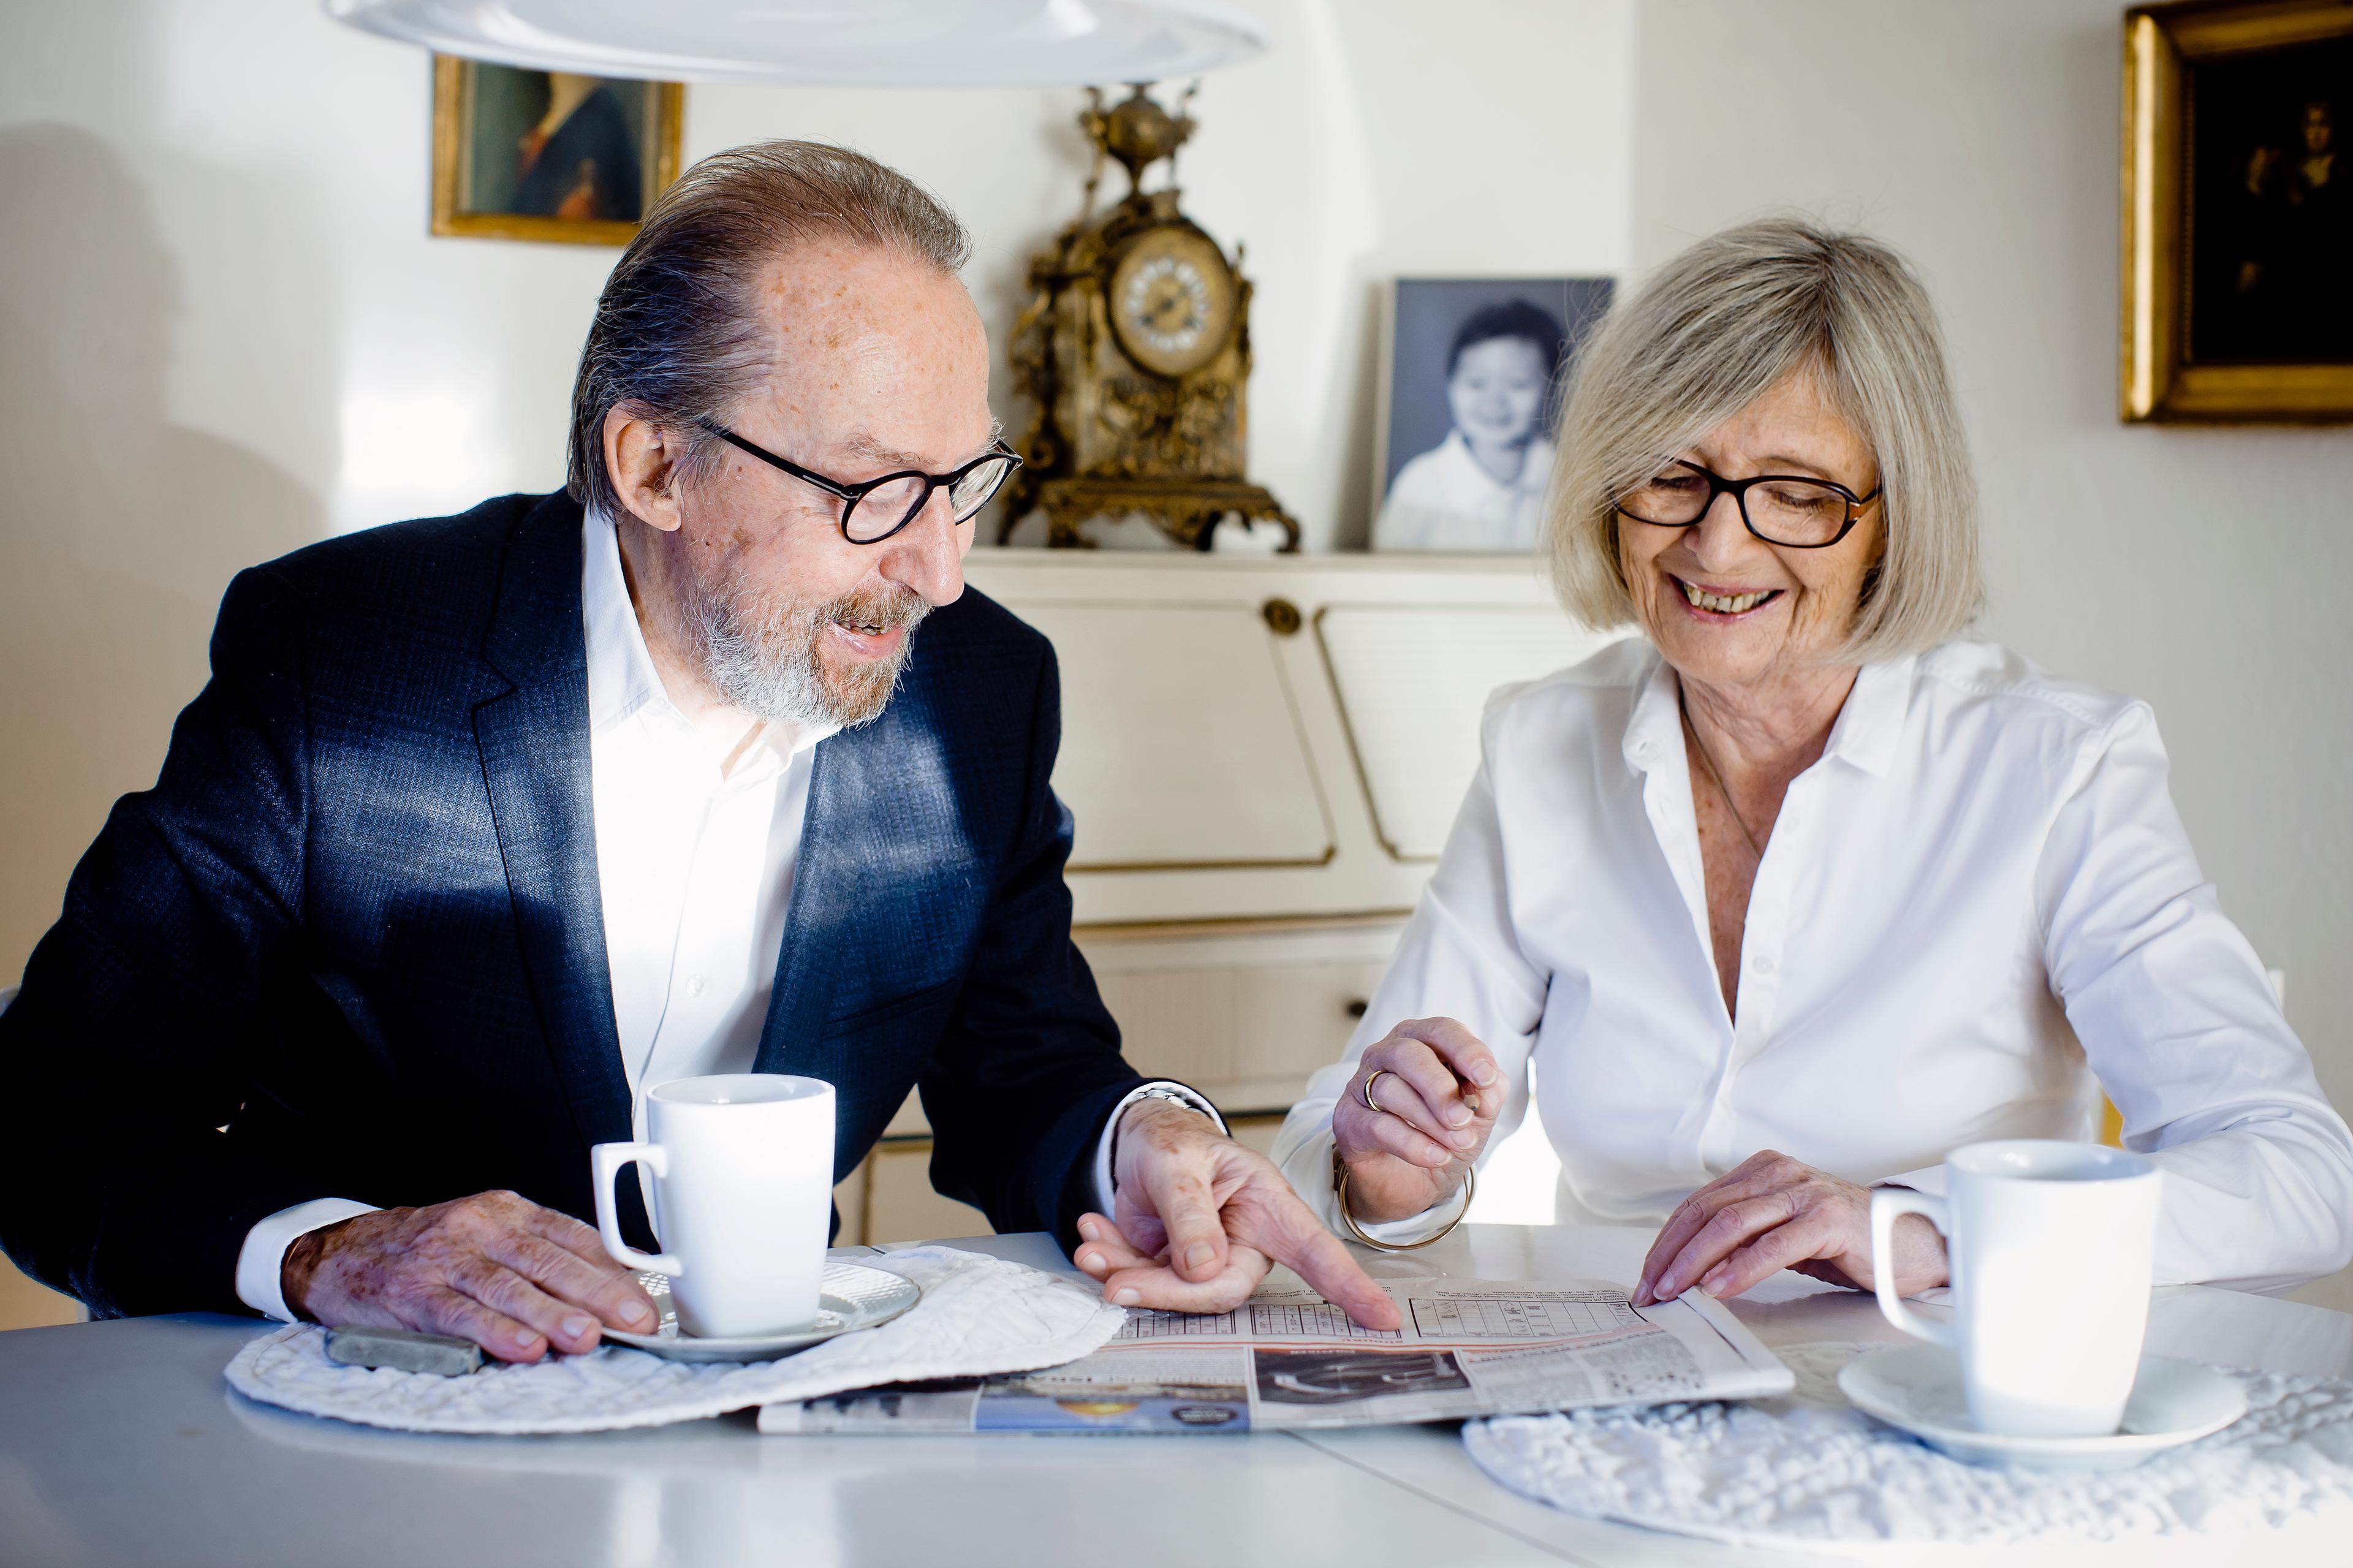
1930, 1180
261, 1261
1106, 1193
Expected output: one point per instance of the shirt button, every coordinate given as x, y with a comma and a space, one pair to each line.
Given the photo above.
1762, 963
694, 985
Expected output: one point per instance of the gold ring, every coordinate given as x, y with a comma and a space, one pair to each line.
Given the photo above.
1365, 1092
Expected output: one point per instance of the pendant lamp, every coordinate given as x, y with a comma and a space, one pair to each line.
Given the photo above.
834, 43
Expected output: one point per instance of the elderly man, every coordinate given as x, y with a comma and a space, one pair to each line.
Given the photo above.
486, 825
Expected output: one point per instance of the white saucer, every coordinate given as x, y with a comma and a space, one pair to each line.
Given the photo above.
1918, 1389
851, 1297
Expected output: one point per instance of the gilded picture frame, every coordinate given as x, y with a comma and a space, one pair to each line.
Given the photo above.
537, 156
2237, 192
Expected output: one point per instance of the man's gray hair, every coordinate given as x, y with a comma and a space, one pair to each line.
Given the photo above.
677, 334
1718, 327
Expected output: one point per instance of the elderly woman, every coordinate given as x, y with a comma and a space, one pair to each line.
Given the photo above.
1799, 891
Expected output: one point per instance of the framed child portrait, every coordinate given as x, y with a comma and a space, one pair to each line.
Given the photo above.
2238, 212
1471, 370
551, 155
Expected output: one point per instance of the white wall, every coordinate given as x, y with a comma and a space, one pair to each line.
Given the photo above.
2192, 567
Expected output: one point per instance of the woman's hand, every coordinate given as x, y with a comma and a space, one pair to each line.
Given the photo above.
1775, 1213
1438, 1097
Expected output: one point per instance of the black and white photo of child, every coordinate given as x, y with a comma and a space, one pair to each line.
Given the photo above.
1481, 360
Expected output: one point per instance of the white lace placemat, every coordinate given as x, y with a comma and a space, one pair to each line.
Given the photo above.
978, 1315
1810, 1469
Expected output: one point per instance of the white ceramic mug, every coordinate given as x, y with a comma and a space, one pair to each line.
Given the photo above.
2051, 1246
743, 1167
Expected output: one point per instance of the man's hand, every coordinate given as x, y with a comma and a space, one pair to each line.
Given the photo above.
1200, 1219
1775, 1212
494, 1268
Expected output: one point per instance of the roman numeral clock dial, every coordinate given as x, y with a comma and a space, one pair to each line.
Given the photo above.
1172, 300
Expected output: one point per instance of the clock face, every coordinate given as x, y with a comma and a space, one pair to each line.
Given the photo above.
1172, 300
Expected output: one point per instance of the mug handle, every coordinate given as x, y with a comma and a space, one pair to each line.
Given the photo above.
1889, 1205
608, 1160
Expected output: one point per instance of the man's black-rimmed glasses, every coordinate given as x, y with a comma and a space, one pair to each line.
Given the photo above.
1793, 510
874, 510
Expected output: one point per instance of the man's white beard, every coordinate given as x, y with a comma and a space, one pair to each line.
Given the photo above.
763, 657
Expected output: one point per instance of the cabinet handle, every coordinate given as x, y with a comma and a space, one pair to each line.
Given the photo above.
1354, 1006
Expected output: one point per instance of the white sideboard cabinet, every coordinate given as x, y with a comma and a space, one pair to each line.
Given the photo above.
1261, 757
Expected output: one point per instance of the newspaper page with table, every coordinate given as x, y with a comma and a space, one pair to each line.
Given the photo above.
1288, 1359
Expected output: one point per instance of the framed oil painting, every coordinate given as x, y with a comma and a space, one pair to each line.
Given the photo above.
1470, 370
532, 155
2238, 212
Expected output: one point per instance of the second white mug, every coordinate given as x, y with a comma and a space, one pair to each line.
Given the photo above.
2052, 1246
743, 1168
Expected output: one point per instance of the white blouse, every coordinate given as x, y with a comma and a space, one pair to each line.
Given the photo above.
1975, 909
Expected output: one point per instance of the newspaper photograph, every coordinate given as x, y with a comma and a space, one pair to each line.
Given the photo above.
1288, 1359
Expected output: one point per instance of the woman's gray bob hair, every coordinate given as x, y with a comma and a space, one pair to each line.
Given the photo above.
1715, 329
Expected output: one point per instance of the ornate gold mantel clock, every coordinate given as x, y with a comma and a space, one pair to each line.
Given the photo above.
1136, 347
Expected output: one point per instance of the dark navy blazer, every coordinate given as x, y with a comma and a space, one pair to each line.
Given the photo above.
352, 944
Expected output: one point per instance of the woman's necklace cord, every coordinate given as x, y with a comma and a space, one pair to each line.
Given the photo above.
1716, 778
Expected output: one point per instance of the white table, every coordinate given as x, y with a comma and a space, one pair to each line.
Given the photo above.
120, 1444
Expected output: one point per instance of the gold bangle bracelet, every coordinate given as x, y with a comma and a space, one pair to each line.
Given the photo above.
1356, 1232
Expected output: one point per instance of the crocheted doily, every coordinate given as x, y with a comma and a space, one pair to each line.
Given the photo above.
1809, 1468
978, 1315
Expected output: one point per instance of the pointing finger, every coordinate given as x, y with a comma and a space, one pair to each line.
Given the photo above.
1316, 1256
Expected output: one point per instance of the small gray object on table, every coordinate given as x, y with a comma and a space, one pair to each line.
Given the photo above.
402, 1350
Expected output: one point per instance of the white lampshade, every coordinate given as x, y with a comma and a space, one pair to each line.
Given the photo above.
842, 43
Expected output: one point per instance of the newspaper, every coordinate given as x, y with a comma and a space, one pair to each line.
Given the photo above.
1287, 1359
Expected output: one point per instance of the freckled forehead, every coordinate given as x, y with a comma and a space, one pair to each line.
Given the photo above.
868, 338
829, 296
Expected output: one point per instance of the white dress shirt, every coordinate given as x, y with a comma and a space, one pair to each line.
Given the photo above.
1446, 499
1975, 909
697, 840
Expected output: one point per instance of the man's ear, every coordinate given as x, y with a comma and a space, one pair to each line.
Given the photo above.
643, 462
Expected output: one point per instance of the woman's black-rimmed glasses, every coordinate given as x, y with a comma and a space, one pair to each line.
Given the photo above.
1781, 508
874, 510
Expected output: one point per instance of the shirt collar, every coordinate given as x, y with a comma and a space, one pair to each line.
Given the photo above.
1868, 728
1654, 731
621, 675
1871, 724
622, 680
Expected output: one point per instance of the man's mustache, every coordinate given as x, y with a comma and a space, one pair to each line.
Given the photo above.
883, 607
